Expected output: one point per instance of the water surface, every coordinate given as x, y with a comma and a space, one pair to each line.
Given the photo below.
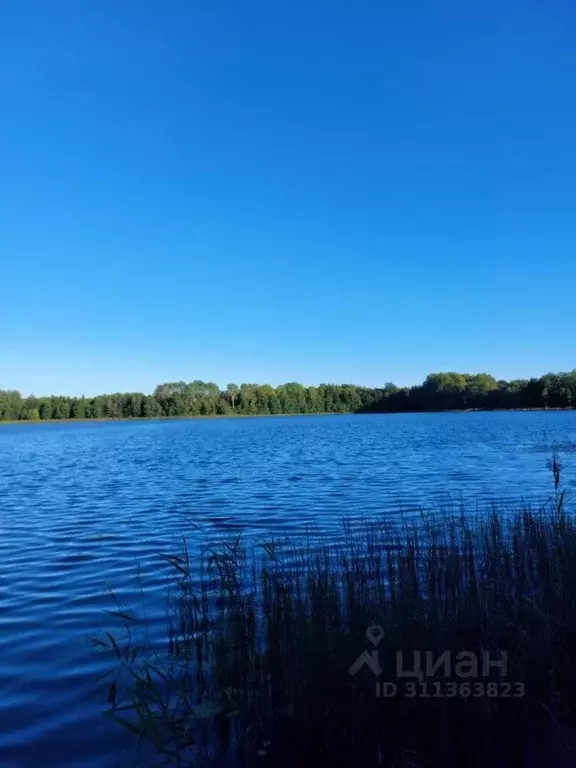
81, 504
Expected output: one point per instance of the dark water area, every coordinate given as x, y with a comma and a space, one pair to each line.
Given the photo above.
84, 505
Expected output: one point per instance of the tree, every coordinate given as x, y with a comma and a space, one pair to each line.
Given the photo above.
10, 404
94, 408
478, 390
78, 409
313, 400
46, 410
62, 409
232, 393
247, 399
150, 407
439, 391
133, 405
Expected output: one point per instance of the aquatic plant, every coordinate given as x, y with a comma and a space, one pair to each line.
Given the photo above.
437, 639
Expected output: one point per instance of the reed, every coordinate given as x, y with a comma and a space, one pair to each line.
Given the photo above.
264, 638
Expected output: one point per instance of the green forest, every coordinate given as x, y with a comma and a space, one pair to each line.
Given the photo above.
439, 392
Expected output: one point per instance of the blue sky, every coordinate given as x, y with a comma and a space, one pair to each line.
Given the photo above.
312, 191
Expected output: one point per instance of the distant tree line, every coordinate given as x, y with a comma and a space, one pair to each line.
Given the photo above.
439, 392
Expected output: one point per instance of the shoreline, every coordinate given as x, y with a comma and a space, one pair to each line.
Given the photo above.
105, 419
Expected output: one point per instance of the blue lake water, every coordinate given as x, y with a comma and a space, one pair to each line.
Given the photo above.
81, 505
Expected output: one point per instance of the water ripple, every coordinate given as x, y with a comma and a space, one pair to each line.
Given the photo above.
85, 510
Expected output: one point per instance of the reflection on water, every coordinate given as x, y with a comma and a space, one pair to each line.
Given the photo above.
82, 505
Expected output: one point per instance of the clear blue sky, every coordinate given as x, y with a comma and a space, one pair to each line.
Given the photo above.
274, 191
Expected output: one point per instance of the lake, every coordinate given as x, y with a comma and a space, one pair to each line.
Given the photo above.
83, 505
